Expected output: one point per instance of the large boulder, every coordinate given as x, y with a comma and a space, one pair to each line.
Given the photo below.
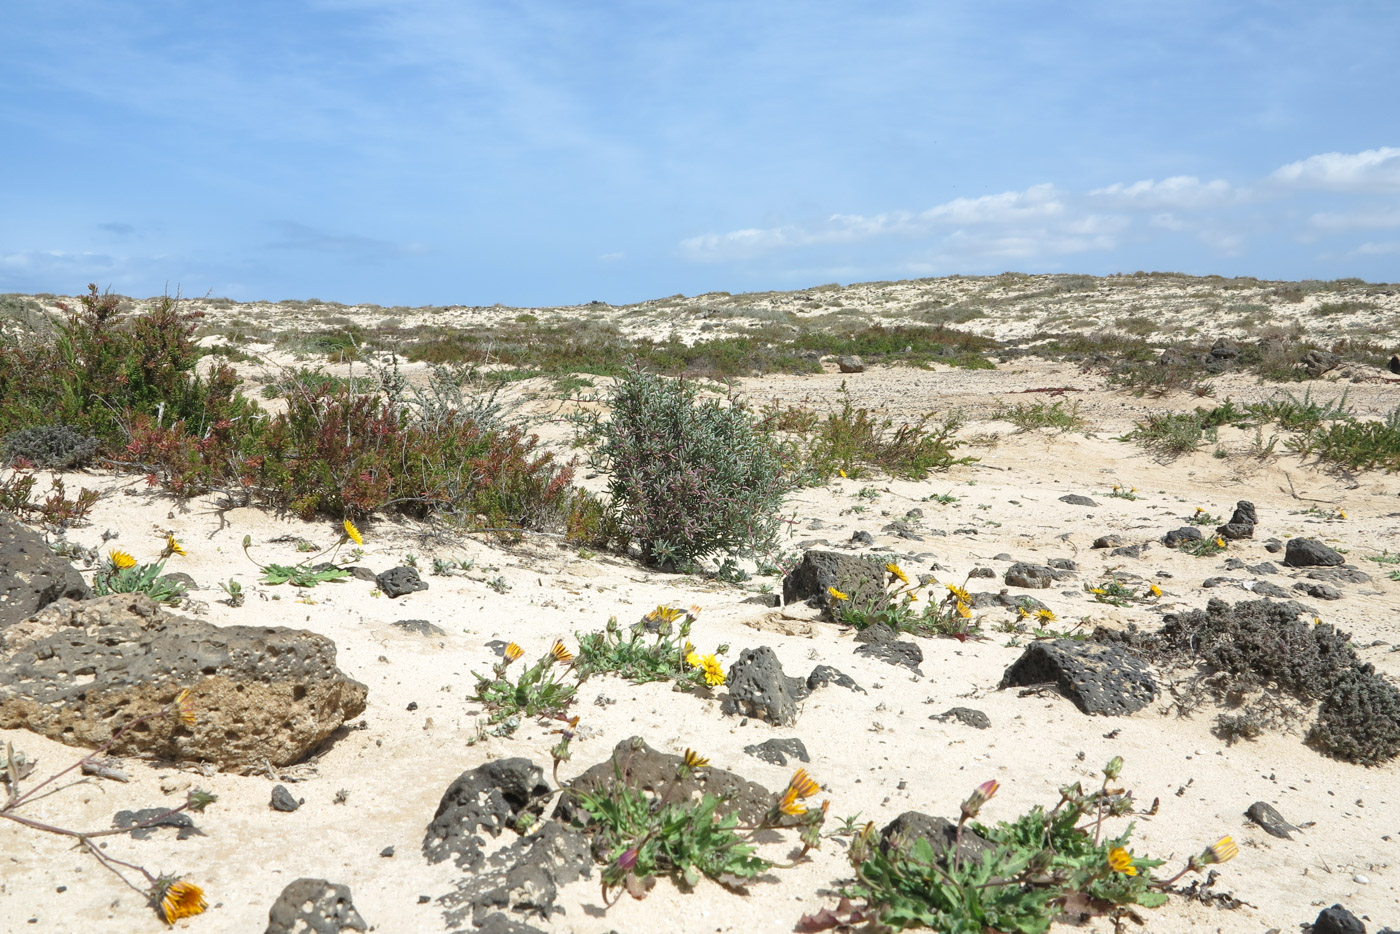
1099, 679
861, 579
78, 671
31, 575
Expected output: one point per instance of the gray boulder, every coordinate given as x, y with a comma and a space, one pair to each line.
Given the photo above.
759, 688
77, 671
850, 364
31, 575
1099, 679
488, 798
1035, 576
1309, 552
860, 579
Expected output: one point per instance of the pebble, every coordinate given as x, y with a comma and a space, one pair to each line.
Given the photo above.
1360, 879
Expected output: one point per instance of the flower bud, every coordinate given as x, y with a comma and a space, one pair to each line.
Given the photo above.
1114, 768
980, 796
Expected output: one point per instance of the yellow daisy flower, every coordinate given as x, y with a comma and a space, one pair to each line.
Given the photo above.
1221, 851
663, 614
172, 546
1045, 615
714, 672
182, 900
560, 653
790, 804
964, 610
184, 707
694, 660
513, 653
352, 533
1120, 860
121, 560
836, 594
802, 784
1155, 590
897, 571
693, 760
1219, 542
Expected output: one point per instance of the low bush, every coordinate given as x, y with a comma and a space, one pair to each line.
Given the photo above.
689, 479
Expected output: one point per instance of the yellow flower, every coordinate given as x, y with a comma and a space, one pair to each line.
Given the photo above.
184, 707
1199, 510
964, 610
802, 784
1341, 514
181, 900
693, 660
836, 594
172, 546
1221, 851
1097, 590
353, 533
1219, 542
897, 572
1120, 860
693, 760
790, 803
842, 473
1022, 612
121, 560
560, 653
1046, 615
959, 592
513, 653
663, 614
1155, 590
714, 673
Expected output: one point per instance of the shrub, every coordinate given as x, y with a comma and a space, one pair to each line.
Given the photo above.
853, 438
60, 447
689, 479
1359, 720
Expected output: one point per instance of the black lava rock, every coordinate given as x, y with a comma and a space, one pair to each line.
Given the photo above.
1099, 679
282, 799
759, 688
490, 797
1265, 815
1075, 499
1308, 552
1337, 920
965, 715
396, 582
1187, 533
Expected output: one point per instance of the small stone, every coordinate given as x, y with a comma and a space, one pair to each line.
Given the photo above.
387, 852
850, 364
861, 537
1337, 920
282, 799
1108, 541
1075, 499
965, 715
1267, 817
778, 751
1187, 533
1359, 879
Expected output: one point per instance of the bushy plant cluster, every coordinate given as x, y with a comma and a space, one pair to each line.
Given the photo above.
1262, 644
131, 382
17, 497
901, 609
657, 648
58, 447
689, 479
1022, 874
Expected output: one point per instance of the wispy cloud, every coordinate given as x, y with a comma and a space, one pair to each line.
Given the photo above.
1178, 193
1360, 219
1373, 170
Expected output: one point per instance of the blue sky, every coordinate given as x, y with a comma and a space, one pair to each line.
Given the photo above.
447, 151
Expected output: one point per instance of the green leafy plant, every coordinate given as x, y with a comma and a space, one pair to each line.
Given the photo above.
234, 590
1112, 591
654, 649
1123, 492
122, 574
17, 497
900, 608
539, 691
643, 834
1205, 547
1029, 870
304, 573
1034, 415
1201, 517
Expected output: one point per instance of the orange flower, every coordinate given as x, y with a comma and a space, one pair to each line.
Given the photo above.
803, 785
513, 653
693, 760
184, 707
790, 804
560, 653
181, 900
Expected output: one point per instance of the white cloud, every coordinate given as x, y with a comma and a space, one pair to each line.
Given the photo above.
1357, 220
1180, 192
612, 257
1377, 249
1370, 171
1038, 201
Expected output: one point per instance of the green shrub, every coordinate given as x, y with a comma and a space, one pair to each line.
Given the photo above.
688, 479
853, 439
60, 447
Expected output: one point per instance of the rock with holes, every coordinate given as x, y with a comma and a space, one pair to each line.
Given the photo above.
314, 906
759, 688
488, 798
78, 670
861, 580
31, 575
1099, 679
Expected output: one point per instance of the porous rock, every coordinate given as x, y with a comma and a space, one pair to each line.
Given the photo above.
314, 906
759, 688
822, 675
1309, 552
1318, 590
78, 670
646, 769
420, 626
1099, 679
487, 798
860, 579
895, 652
942, 834
1076, 499
31, 575
1034, 576
396, 582
976, 719
1176, 537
